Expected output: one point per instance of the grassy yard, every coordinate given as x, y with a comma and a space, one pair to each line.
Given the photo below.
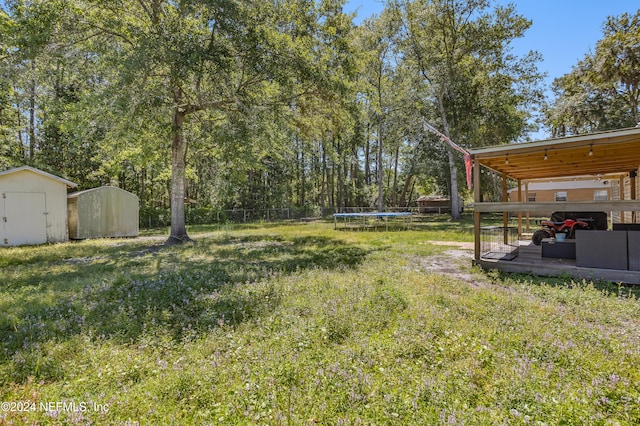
302, 324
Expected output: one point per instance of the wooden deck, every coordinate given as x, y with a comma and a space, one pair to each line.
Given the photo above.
530, 260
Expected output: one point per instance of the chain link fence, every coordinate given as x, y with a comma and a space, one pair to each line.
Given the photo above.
155, 218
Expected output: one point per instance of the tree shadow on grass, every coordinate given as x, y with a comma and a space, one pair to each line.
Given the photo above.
221, 282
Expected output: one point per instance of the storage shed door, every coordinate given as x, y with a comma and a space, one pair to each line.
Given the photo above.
24, 219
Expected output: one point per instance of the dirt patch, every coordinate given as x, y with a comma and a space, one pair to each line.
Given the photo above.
81, 260
461, 244
455, 262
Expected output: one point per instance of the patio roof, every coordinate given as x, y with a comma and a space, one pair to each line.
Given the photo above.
600, 153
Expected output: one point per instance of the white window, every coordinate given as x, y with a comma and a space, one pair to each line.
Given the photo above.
531, 197
600, 195
561, 196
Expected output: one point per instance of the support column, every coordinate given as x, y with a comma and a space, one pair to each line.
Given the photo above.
476, 213
632, 192
526, 196
519, 213
623, 215
505, 215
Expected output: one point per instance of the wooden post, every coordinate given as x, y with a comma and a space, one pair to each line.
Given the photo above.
623, 215
519, 213
476, 213
632, 191
505, 215
526, 196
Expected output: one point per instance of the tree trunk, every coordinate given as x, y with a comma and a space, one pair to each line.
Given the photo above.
453, 169
32, 112
405, 189
380, 166
303, 182
23, 153
332, 185
367, 165
178, 178
394, 191
143, 185
413, 185
633, 100
455, 198
339, 177
325, 177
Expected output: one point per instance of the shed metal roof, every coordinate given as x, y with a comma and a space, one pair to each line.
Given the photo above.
40, 172
99, 189
616, 151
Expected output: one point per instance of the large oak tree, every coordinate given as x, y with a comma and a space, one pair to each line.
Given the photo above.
194, 56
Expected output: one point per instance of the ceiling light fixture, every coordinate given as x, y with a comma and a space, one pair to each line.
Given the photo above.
545, 154
590, 150
506, 160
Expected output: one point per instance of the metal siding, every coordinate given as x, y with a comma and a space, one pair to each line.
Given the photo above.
72, 217
107, 212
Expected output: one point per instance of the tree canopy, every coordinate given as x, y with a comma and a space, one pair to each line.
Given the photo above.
224, 104
602, 91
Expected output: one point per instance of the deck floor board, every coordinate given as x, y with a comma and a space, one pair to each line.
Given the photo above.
530, 260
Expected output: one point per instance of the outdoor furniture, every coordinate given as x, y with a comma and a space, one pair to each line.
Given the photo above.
633, 250
559, 249
610, 157
602, 249
626, 226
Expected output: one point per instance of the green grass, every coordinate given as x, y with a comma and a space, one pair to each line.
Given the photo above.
302, 324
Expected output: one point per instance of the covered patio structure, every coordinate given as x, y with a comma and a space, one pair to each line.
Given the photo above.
614, 155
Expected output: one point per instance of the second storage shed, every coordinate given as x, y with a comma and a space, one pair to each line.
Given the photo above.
103, 213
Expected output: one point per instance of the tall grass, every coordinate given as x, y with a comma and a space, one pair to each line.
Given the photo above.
302, 324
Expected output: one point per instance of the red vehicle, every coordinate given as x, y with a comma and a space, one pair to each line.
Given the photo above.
568, 227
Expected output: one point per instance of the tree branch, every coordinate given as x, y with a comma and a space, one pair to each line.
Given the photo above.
146, 9
108, 31
154, 12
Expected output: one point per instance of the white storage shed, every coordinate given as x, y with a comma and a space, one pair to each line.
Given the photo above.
33, 207
103, 212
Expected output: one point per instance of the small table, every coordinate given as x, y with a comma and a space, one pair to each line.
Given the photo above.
559, 249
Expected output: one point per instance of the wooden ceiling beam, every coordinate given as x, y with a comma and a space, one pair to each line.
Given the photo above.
601, 153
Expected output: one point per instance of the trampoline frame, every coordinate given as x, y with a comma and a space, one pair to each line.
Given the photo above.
354, 218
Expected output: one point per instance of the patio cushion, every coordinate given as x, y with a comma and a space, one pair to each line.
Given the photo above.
602, 249
633, 244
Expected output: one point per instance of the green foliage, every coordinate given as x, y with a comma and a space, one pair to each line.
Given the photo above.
471, 86
602, 91
269, 104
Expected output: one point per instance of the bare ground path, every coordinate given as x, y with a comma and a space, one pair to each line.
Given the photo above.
454, 262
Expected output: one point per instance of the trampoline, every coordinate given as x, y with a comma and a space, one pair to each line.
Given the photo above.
364, 220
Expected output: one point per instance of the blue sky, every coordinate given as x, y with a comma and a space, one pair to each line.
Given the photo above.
563, 31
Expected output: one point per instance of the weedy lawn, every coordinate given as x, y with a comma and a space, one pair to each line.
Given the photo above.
302, 324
